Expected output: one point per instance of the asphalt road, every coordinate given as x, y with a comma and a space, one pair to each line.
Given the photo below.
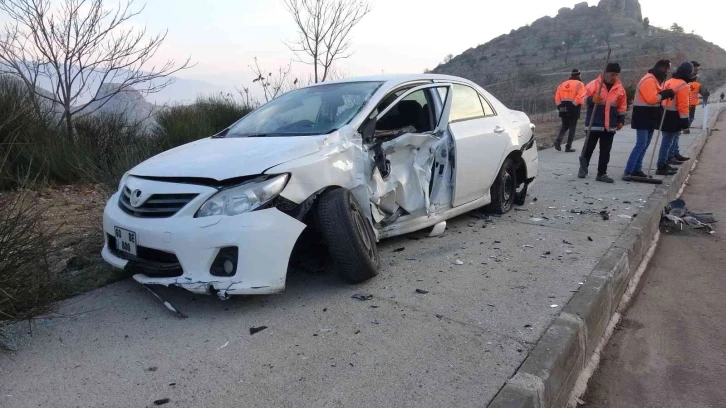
670, 350
454, 346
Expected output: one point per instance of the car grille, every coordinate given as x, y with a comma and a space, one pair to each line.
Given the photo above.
148, 261
157, 206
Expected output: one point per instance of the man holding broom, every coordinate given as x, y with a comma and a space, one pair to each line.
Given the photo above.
606, 106
647, 115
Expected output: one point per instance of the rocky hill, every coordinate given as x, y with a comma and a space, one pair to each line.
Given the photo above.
523, 67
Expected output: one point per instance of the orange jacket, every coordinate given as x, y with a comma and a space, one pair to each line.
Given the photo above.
611, 111
646, 93
571, 90
695, 90
680, 103
647, 110
676, 109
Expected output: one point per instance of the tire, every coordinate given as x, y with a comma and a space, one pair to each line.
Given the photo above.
348, 235
504, 188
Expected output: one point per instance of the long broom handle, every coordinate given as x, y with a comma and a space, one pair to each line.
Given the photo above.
657, 136
594, 106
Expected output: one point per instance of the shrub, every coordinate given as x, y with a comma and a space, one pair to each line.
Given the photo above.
178, 125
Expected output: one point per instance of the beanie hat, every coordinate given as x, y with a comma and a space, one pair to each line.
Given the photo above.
613, 67
575, 73
684, 71
696, 63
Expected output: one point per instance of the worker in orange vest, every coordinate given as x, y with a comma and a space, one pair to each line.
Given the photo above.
676, 115
693, 98
606, 106
568, 98
647, 114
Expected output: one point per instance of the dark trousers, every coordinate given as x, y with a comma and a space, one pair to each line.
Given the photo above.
606, 144
568, 124
691, 115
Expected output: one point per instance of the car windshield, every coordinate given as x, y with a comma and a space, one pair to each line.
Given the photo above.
315, 110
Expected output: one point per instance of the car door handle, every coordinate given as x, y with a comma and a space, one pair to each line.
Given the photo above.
498, 129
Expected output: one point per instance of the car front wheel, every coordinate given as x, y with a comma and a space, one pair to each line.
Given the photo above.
349, 237
504, 188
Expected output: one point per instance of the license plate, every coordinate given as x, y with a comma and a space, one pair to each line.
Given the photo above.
125, 240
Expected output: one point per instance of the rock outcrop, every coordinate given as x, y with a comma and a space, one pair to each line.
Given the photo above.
622, 8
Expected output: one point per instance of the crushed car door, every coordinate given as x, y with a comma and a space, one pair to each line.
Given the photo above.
480, 139
402, 141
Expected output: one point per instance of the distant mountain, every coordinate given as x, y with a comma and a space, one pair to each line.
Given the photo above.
523, 67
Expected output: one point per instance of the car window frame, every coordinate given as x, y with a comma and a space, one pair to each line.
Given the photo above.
483, 115
482, 99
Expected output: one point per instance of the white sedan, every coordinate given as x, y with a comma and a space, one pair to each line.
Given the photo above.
355, 161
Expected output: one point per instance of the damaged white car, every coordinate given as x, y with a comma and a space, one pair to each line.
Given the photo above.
356, 160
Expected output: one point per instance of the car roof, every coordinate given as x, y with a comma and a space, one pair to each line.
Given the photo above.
396, 78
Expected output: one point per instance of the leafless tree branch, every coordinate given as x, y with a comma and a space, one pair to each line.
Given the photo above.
324, 28
84, 50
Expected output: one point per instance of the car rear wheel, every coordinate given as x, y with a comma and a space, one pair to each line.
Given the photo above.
504, 188
349, 237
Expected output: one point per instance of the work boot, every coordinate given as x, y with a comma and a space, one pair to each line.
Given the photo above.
583, 168
681, 158
639, 173
558, 146
627, 176
674, 162
665, 170
604, 178
570, 150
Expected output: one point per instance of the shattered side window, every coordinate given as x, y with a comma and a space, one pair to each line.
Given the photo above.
412, 111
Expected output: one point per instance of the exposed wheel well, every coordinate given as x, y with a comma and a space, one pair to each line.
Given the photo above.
520, 166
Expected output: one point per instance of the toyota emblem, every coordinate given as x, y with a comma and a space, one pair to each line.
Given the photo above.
136, 200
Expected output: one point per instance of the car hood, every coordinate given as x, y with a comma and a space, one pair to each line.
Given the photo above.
225, 158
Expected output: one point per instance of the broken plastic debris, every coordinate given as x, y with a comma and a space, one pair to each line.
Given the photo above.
421, 291
553, 306
438, 229
401, 249
528, 246
626, 216
458, 262
254, 330
535, 219
162, 401
362, 297
220, 347
605, 215
590, 239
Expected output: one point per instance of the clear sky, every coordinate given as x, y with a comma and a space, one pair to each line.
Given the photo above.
222, 36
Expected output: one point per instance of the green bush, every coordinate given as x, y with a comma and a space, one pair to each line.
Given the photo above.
178, 125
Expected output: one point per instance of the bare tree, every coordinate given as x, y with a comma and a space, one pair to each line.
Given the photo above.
273, 84
84, 50
448, 58
324, 28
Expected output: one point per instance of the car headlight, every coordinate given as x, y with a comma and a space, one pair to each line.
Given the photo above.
244, 197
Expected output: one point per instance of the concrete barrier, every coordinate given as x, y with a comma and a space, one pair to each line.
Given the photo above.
547, 376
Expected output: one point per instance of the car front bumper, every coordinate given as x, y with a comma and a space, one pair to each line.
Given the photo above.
179, 250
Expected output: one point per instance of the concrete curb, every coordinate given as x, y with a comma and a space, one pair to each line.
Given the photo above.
548, 374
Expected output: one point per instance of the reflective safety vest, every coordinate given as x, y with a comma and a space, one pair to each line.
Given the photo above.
695, 90
680, 103
571, 90
646, 94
